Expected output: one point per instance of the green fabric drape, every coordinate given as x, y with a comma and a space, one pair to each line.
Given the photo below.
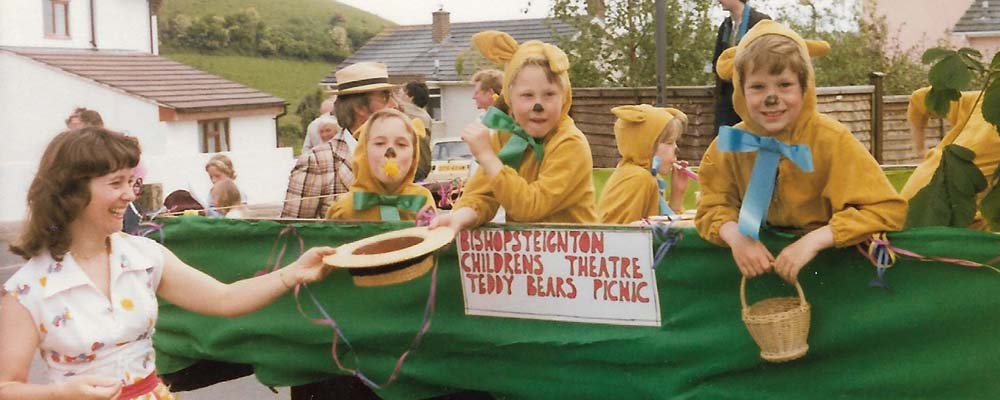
932, 336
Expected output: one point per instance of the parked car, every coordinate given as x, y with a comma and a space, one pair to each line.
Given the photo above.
451, 166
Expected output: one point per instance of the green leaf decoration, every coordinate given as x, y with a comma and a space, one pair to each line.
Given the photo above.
971, 54
991, 105
995, 64
937, 53
939, 99
990, 207
951, 73
950, 197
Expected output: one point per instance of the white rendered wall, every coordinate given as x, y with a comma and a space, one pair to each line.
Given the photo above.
35, 99
457, 108
120, 24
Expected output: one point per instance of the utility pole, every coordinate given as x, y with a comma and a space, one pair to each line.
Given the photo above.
661, 54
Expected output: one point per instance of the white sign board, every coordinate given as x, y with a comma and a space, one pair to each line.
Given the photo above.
560, 274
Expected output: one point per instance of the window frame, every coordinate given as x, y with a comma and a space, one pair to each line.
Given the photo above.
204, 133
49, 25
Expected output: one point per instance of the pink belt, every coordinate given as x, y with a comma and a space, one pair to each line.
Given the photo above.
140, 388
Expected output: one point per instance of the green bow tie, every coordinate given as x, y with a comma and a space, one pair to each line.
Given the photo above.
513, 151
389, 205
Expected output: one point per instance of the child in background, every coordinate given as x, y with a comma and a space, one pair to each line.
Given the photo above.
220, 167
538, 164
647, 140
226, 198
384, 164
824, 181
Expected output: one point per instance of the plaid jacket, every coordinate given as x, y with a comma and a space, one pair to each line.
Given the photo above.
323, 171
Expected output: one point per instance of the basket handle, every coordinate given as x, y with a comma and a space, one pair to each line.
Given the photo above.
743, 292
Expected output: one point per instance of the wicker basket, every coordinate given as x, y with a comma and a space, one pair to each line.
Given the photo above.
779, 325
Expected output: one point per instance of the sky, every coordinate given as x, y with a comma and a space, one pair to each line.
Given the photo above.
417, 12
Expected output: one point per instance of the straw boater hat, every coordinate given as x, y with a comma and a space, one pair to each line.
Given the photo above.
363, 77
392, 257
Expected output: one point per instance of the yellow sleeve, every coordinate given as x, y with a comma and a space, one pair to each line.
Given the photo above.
478, 196
342, 208
629, 196
565, 169
861, 197
720, 198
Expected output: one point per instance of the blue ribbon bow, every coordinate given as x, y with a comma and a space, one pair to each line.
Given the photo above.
769, 150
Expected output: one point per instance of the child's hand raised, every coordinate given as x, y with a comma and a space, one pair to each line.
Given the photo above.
793, 258
751, 256
477, 137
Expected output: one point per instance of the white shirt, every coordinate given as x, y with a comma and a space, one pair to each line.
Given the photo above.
81, 332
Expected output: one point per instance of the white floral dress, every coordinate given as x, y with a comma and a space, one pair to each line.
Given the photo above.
81, 331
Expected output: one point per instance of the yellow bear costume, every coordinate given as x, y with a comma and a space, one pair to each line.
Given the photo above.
558, 188
846, 189
631, 193
364, 181
977, 135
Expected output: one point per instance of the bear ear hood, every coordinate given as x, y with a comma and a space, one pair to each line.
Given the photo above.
364, 179
637, 129
501, 48
809, 49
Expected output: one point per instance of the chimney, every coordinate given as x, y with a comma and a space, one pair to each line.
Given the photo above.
441, 28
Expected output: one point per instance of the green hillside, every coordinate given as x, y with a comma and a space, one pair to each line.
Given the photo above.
278, 13
289, 79
281, 47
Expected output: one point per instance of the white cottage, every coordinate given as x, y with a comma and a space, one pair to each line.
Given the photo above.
56, 55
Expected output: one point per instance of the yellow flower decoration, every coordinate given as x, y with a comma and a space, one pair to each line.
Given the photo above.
43, 280
127, 304
391, 168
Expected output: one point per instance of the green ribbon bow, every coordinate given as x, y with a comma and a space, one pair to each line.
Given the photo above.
513, 151
389, 205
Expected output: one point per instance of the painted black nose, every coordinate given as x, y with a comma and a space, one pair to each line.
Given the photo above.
537, 108
771, 100
390, 153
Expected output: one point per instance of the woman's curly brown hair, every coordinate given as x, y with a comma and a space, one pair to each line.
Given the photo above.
61, 188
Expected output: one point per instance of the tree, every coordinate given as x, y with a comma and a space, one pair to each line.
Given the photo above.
615, 43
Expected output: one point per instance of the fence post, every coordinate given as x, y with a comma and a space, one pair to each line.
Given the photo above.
878, 106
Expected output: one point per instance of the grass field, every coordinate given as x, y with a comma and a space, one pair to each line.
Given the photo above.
288, 79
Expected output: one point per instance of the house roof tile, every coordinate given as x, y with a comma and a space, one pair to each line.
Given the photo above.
166, 82
982, 16
409, 50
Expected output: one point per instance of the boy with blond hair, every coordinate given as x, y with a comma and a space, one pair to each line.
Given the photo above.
786, 164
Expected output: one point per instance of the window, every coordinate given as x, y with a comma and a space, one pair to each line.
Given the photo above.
214, 135
56, 15
434, 105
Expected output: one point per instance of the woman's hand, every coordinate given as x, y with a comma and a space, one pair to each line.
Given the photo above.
457, 220
90, 387
308, 268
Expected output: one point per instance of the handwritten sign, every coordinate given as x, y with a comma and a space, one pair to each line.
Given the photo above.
576, 275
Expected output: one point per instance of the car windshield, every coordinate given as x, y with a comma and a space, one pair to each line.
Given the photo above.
451, 151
